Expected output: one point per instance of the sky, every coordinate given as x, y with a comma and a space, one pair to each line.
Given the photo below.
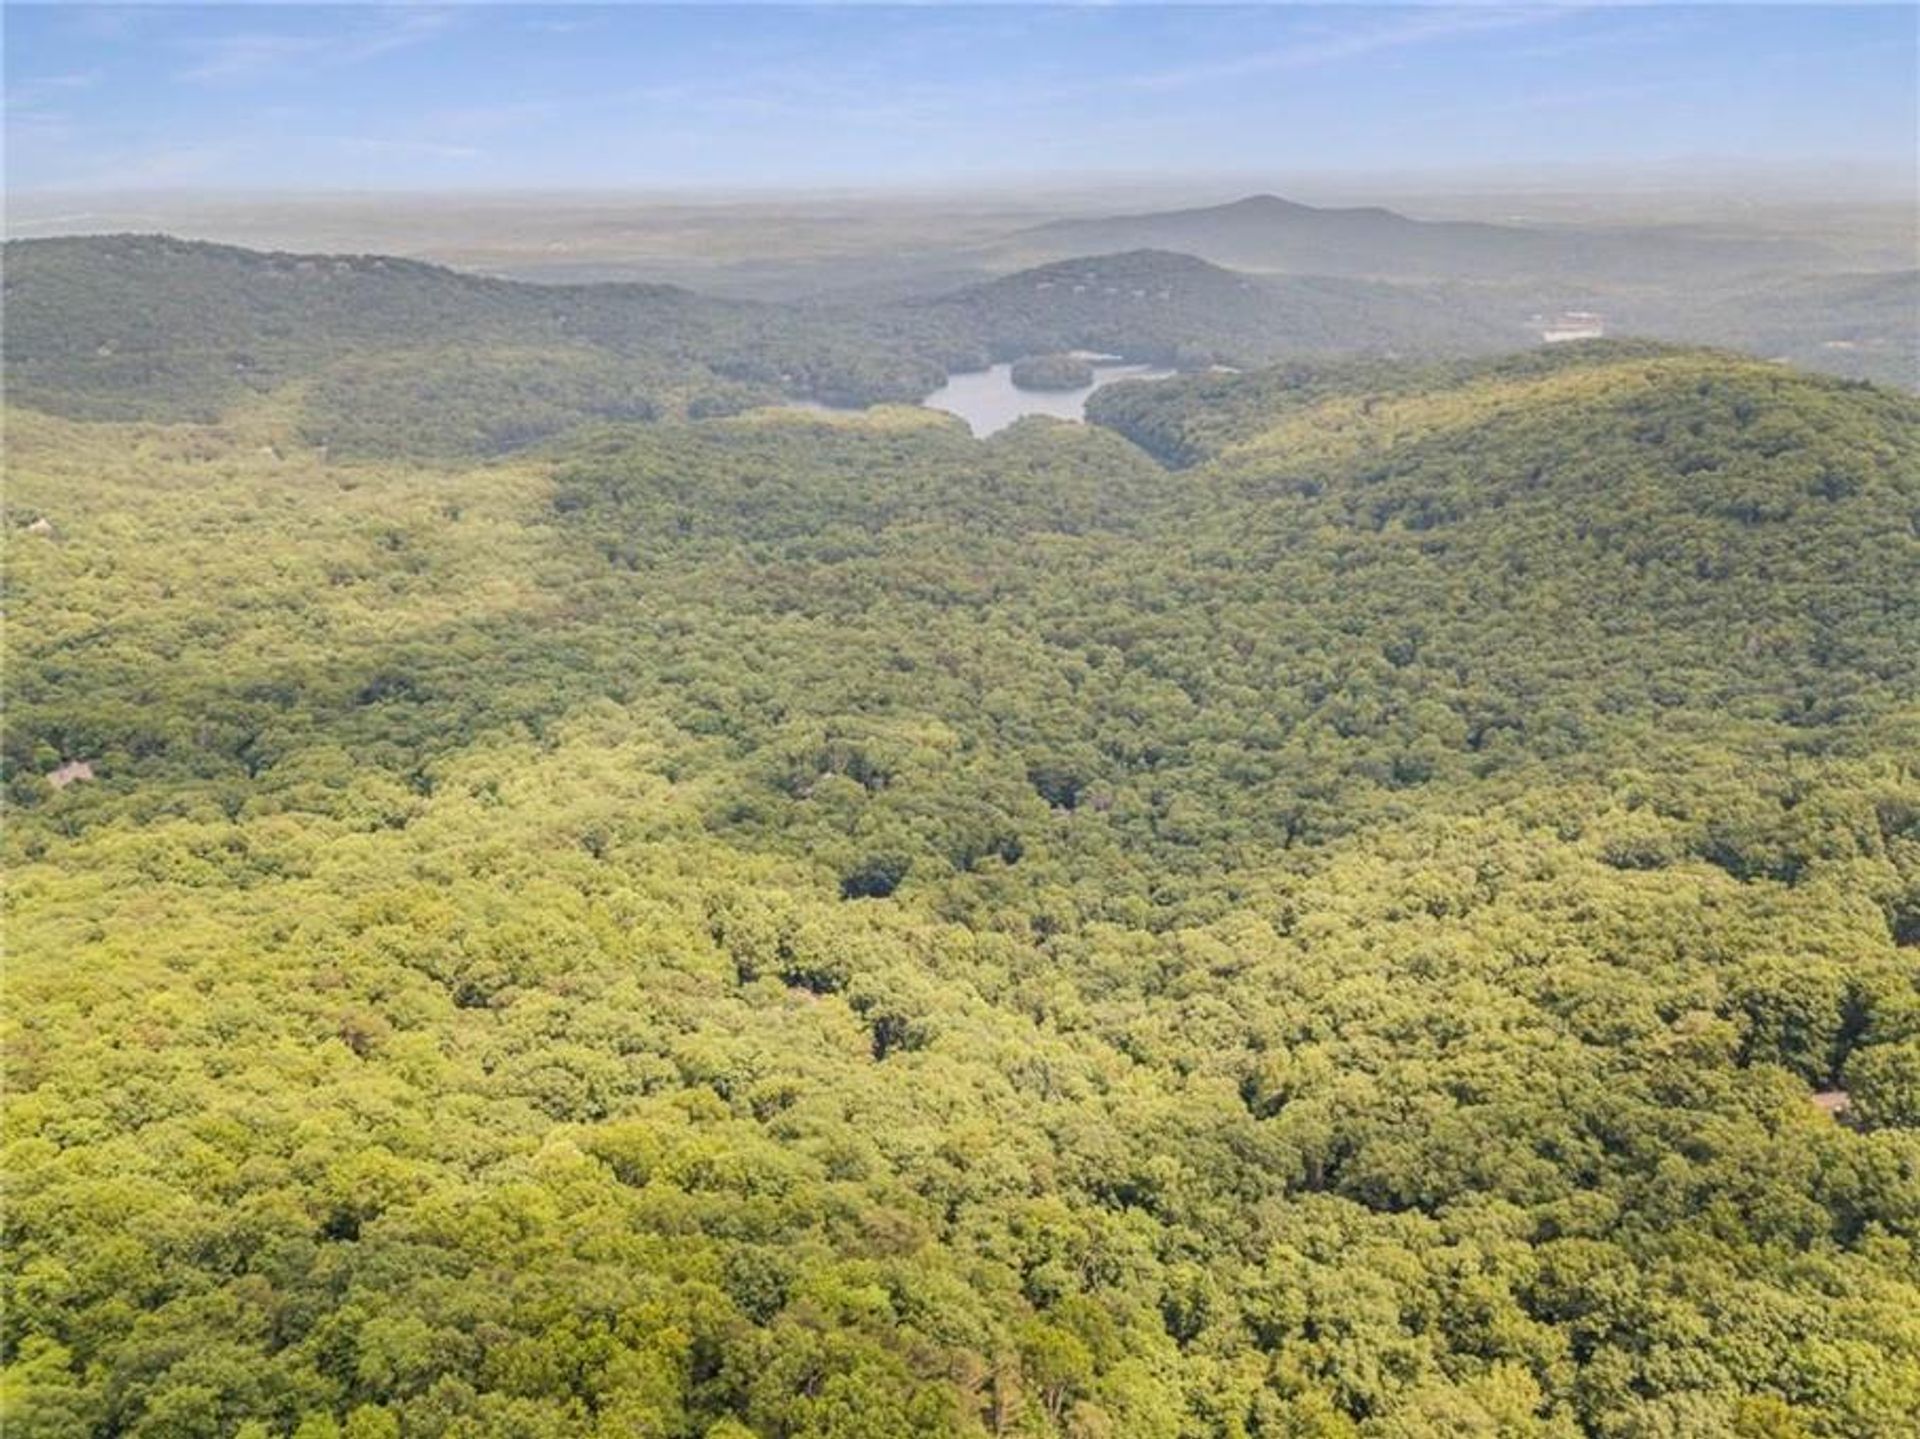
475, 97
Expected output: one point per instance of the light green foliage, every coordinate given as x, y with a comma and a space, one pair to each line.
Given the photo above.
1363, 918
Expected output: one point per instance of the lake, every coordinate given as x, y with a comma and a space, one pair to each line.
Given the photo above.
988, 400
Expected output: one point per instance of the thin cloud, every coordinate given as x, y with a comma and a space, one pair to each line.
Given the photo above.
410, 149
157, 168
1546, 101
34, 111
35, 91
248, 57
466, 122
109, 24
73, 80
1333, 48
1588, 41
504, 114
405, 28
255, 55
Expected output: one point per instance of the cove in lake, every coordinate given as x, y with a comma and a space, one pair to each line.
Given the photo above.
988, 400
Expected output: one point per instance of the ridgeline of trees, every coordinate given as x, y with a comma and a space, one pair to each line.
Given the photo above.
147, 327
1167, 308
825, 928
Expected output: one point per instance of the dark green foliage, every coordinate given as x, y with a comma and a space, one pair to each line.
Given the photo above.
1167, 308
485, 401
1052, 372
134, 326
875, 877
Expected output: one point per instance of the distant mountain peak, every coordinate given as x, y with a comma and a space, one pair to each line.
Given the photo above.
1266, 203
1277, 208
1145, 256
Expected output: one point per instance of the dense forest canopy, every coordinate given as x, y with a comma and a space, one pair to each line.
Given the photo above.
1336, 901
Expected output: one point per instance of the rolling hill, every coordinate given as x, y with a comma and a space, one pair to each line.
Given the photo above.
1162, 306
137, 325
380, 352
1266, 232
380, 355
1863, 325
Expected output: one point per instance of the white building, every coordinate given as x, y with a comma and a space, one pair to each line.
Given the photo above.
1569, 325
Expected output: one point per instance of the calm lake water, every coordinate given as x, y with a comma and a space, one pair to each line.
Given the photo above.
988, 400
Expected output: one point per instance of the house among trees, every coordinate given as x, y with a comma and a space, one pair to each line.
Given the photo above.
1569, 325
73, 769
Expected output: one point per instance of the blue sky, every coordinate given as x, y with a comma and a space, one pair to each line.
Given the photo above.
481, 96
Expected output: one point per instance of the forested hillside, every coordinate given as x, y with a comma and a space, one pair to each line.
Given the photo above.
1463, 287
1861, 325
147, 327
1386, 908
377, 356
1159, 306
388, 355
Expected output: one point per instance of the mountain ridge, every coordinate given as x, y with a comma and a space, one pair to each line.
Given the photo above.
390, 350
1271, 233
132, 325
